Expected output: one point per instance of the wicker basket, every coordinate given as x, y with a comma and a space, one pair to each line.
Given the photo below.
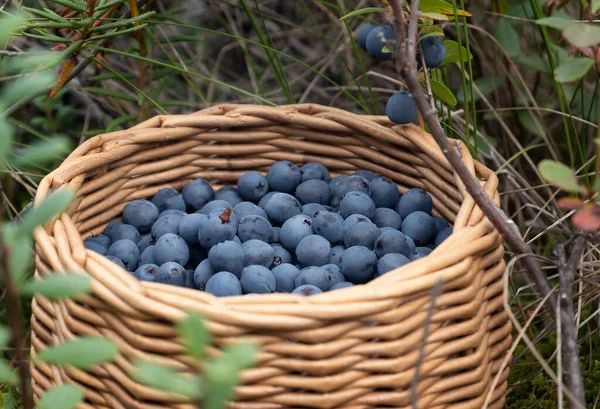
353, 348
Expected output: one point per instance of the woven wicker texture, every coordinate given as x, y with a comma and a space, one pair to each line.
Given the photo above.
352, 348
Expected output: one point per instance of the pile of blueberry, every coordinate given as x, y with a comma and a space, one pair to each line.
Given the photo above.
294, 230
379, 42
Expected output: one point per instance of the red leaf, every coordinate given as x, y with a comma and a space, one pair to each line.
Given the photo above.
588, 218
63, 77
569, 203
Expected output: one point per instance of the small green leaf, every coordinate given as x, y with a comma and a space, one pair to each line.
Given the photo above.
58, 286
452, 55
8, 25
559, 174
526, 119
442, 7
123, 23
442, 92
84, 352
195, 335
508, 38
41, 152
582, 35
561, 53
54, 204
21, 256
239, 356
7, 374
4, 336
486, 85
366, 10
9, 399
435, 16
386, 49
572, 69
63, 397
165, 379
535, 62
24, 88
554, 22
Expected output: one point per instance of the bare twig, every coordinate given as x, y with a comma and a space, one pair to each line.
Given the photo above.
568, 333
405, 63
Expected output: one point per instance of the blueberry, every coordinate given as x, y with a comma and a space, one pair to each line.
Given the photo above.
420, 227
189, 226
197, 193
281, 207
237, 239
384, 192
171, 273
294, 230
101, 239
166, 224
307, 290
258, 279
147, 256
246, 208
440, 223
189, 279
111, 227
202, 274
126, 231
280, 255
313, 250
367, 174
415, 200
419, 252
126, 251
228, 213
411, 243
443, 235
145, 241
96, 247
391, 261
258, 252
328, 225
171, 248
335, 255
434, 51
141, 214
352, 183
284, 176
313, 276
168, 198
215, 204
197, 255
170, 212
339, 286
333, 273
146, 272
334, 184
401, 108
229, 194
285, 275
358, 264
352, 220
252, 186
117, 261
223, 284
276, 235
313, 191
216, 230
362, 234
385, 217
263, 201
362, 33
357, 203
227, 256
375, 44
310, 209
314, 170
392, 242
255, 227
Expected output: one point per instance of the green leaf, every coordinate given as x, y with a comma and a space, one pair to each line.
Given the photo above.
195, 335
7, 374
63, 397
386, 49
535, 62
554, 22
572, 69
442, 92
442, 7
561, 53
70, 4
486, 85
41, 152
58, 286
582, 35
508, 38
595, 6
523, 10
366, 10
435, 16
54, 204
8, 25
21, 255
559, 174
239, 356
123, 23
526, 119
452, 55
84, 352
25, 88
9, 399
6, 141
4, 336
165, 379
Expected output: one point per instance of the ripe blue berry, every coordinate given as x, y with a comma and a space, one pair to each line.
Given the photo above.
101, 239
166, 224
352, 220
357, 203
255, 227
197, 193
226, 212
280, 255
285, 275
434, 51
313, 276
352, 183
443, 235
171, 248
420, 227
111, 227
227, 256
258, 252
252, 186
440, 223
223, 284
310, 209
258, 279
313, 191
141, 214
284, 176
307, 290
126, 232
362, 234
170, 212
384, 192
171, 273
229, 194
214, 205
281, 207
385, 217
126, 251
146, 272
147, 256
358, 264
145, 241
391, 261
367, 174
362, 33
168, 198
217, 229
117, 261
202, 274
328, 225
294, 230
415, 200
339, 286
375, 44
401, 108
335, 255
313, 250
96, 247
392, 242
246, 208
314, 170
263, 201
189, 226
